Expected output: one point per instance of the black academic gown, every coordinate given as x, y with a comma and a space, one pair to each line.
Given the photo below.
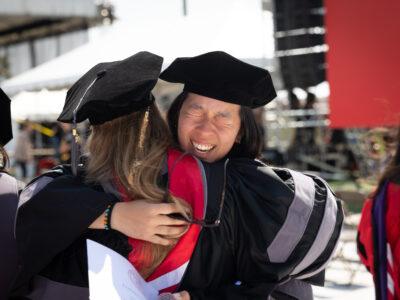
229, 262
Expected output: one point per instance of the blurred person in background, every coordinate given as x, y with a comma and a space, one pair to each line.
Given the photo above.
308, 131
56, 139
380, 143
378, 239
64, 149
9, 188
23, 149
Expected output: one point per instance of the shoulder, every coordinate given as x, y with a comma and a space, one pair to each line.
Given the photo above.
276, 181
40, 182
393, 203
7, 179
183, 160
394, 188
8, 184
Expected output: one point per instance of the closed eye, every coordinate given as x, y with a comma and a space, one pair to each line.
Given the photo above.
195, 110
195, 113
223, 115
224, 119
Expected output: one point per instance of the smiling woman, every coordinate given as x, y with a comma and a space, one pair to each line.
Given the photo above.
213, 120
246, 143
208, 129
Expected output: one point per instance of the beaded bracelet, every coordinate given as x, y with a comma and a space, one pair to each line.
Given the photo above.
107, 216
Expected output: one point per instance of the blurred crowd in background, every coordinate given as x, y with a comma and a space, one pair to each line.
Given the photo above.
39, 146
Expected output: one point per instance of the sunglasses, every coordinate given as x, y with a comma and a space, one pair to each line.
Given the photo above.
202, 222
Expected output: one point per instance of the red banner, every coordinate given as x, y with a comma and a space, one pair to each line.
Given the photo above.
363, 62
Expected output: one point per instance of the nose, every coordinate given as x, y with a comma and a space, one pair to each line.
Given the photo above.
205, 126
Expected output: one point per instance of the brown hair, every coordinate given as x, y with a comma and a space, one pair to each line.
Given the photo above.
114, 150
4, 160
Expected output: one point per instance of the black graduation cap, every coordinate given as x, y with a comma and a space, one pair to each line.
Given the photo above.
5, 119
221, 76
108, 91
113, 89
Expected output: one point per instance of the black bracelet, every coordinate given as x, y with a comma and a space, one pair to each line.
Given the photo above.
107, 216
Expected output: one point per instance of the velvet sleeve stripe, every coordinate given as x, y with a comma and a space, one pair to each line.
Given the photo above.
321, 262
309, 235
324, 234
324, 242
296, 221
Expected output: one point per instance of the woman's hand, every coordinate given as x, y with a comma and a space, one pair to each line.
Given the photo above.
181, 295
145, 221
176, 296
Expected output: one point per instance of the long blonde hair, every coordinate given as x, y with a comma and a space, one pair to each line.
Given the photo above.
132, 148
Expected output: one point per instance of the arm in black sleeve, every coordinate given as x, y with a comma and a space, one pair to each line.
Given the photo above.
52, 213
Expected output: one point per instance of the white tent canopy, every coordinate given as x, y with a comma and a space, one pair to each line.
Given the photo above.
38, 106
245, 31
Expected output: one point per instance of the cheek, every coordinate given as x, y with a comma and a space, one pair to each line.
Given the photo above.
230, 135
227, 141
183, 133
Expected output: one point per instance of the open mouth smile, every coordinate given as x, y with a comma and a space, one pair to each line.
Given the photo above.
203, 148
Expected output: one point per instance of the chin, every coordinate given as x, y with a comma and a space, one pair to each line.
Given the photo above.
206, 159
211, 158
202, 157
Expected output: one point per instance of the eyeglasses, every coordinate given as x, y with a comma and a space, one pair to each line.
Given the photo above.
204, 222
